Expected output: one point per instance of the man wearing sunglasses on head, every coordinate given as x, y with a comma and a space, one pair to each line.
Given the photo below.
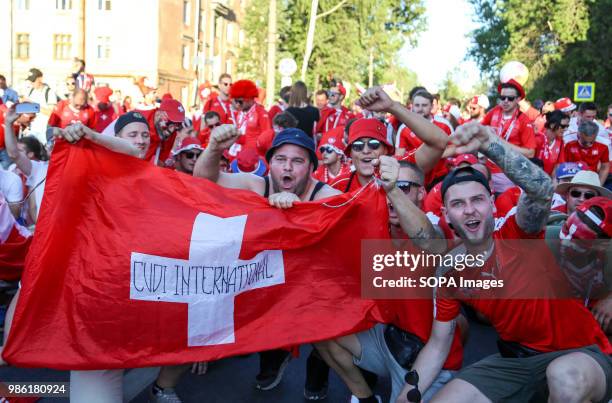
220, 102
334, 114
512, 125
368, 140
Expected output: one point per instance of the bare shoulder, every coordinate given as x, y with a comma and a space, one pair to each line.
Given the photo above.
326, 191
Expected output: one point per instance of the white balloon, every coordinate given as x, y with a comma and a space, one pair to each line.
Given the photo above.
514, 70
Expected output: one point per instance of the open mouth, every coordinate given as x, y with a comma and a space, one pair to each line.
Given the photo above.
472, 225
287, 181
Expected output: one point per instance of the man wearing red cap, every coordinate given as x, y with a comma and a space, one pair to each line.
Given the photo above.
478, 108
252, 118
220, 102
334, 114
367, 140
331, 148
105, 113
187, 154
512, 125
76, 109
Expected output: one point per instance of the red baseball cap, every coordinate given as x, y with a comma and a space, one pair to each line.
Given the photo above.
461, 158
514, 84
103, 94
372, 128
564, 105
174, 109
188, 143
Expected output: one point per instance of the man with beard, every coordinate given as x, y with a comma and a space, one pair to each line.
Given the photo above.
573, 365
367, 140
291, 161
478, 108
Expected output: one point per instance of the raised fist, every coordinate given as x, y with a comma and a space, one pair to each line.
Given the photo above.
222, 137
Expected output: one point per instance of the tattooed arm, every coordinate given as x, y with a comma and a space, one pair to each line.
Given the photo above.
534, 203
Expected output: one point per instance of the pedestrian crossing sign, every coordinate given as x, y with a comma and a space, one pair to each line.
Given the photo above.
584, 92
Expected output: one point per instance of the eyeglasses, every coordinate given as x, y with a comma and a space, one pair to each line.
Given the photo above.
359, 145
213, 126
405, 186
587, 195
191, 155
412, 379
507, 98
326, 149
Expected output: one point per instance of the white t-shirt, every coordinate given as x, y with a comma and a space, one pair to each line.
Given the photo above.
37, 177
11, 186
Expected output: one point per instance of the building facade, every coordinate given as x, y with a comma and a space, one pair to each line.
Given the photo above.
170, 44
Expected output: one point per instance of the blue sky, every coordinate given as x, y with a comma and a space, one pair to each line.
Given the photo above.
442, 47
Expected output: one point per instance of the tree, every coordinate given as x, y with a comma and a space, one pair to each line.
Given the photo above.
449, 88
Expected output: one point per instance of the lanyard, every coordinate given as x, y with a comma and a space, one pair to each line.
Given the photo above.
509, 129
338, 114
243, 119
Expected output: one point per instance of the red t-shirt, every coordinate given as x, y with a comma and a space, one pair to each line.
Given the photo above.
592, 156
274, 110
104, 118
550, 154
541, 324
517, 130
63, 115
223, 108
507, 201
331, 118
252, 124
410, 142
264, 141
322, 174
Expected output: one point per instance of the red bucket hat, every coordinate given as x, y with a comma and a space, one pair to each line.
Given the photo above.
372, 128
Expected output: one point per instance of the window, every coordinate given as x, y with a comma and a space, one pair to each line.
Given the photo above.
62, 46
103, 47
186, 12
23, 46
104, 5
185, 57
63, 4
23, 4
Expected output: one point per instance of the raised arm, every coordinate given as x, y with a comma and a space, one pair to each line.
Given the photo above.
433, 138
207, 165
10, 143
76, 131
412, 219
534, 204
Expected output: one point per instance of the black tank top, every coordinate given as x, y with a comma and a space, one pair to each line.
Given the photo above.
316, 189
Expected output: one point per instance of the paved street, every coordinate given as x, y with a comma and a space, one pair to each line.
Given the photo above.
232, 379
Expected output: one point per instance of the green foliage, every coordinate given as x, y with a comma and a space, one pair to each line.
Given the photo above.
560, 41
449, 88
343, 39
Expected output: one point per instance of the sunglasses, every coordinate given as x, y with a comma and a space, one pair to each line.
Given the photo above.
191, 155
507, 98
326, 149
213, 126
359, 145
239, 101
412, 379
405, 186
563, 126
334, 94
587, 195
70, 83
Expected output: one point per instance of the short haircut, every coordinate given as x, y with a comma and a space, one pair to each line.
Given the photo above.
423, 94
284, 93
587, 106
33, 145
454, 101
508, 85
415, 169
224, 75
2, 77
76, 59
210, 115
285, 120
321, 92
414, 90
588, 128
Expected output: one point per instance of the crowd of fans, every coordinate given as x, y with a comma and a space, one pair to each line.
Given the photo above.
469, 172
